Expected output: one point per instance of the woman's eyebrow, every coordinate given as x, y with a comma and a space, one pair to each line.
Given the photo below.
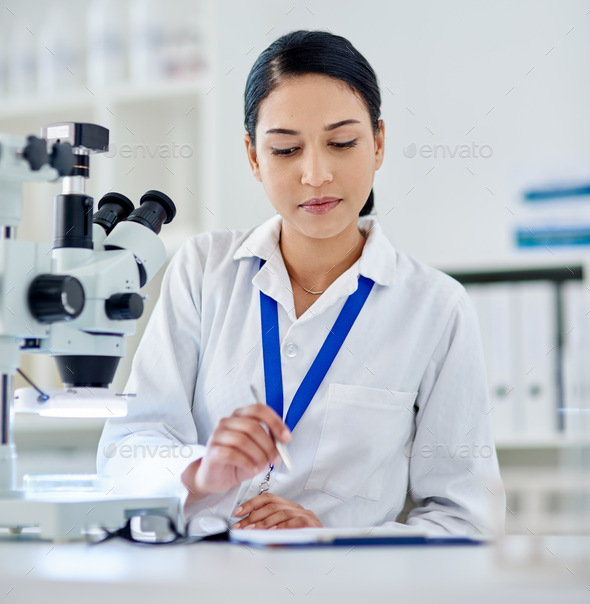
326, 128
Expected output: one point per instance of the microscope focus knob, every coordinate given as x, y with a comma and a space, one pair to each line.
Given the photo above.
55, 298
62, 158
122, 307
35, 152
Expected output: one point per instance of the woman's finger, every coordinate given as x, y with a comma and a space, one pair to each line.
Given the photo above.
241, 444
262, 506
229, 456
246, 435
265, 521
283, 518
298, 522
267, 416
260, 501
261, 514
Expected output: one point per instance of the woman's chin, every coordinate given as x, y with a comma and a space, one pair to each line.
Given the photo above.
320, 227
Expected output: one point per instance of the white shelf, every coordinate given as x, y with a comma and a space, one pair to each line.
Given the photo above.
526, 261
167, 90
32, 106
557, 442
86, 99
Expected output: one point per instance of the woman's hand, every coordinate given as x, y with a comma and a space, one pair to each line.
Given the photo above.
269, 511
239, 448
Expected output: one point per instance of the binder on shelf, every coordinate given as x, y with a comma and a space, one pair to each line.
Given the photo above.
479, 296
496, 305
576, 359
536, 346
526, 319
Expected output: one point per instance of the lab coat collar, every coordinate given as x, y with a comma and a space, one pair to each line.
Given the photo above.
377, 262
262, 241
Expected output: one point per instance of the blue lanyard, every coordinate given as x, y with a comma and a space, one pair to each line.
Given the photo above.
271, 351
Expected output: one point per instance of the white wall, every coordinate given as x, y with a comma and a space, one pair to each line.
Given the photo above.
511, 74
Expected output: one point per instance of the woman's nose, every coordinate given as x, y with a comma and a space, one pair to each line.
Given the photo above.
315, 169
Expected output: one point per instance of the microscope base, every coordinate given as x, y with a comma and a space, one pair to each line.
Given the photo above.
60, 517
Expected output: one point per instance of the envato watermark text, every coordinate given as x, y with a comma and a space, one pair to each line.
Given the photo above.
471, 450
146, 151
145, 451
472, 151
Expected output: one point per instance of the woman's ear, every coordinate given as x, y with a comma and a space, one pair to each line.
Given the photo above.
252, 157
379, 145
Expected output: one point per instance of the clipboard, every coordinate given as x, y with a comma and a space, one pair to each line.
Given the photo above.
377, 536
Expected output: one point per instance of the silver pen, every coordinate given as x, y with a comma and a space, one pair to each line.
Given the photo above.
281, 448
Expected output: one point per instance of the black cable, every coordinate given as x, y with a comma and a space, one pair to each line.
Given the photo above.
44, 397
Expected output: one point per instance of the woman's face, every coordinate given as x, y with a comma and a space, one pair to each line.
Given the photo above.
314, 140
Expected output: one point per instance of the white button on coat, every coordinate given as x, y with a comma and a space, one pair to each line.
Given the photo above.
290, 350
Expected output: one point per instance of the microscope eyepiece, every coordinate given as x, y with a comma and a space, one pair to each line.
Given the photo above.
155, 209
112, 208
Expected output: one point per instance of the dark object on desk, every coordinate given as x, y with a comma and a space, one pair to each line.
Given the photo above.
155, 529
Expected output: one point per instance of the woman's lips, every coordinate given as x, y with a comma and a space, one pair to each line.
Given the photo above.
320, 206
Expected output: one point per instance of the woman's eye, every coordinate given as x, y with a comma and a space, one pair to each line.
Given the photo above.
283, 151
347, 145
290, 151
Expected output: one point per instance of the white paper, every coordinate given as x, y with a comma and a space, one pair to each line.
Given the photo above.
321, 535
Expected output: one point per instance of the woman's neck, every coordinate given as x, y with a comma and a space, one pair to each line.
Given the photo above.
314, 264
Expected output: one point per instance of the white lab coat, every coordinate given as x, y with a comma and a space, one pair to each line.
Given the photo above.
404, 407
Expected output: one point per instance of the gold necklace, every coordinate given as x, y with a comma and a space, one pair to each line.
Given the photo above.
309, 291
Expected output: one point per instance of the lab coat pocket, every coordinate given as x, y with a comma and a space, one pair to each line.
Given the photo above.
364, 431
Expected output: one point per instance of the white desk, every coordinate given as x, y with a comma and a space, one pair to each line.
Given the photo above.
218, 572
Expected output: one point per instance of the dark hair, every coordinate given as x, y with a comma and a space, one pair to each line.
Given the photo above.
302, 52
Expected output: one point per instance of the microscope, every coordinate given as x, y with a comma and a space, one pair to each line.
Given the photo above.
76, 301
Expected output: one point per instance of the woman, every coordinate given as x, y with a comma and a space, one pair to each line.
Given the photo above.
374, 356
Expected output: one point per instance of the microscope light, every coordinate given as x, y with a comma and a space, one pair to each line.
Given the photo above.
72, 403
